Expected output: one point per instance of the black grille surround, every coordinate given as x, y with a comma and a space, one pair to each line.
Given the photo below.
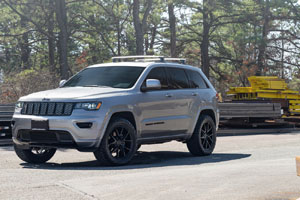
47, 108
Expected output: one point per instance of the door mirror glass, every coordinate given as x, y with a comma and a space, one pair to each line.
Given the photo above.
61, 83
151, 84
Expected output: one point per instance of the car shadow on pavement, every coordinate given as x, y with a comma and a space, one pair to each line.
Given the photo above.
144, 160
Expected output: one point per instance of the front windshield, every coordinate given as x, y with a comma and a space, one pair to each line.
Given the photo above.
115, 77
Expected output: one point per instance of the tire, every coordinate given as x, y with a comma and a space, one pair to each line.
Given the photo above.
203, 140
34, 155
118, 144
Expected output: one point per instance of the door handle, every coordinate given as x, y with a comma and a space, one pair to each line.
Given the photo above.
169, 95
194, 94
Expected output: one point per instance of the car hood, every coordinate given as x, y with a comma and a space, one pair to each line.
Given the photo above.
73, 94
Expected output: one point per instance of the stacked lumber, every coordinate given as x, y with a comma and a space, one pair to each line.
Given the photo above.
270, 88
250, 110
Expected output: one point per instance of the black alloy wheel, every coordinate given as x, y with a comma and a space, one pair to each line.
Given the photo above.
204, 138
118, 144
207, 135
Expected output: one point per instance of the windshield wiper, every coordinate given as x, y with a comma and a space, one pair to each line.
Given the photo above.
104, 86
90, 86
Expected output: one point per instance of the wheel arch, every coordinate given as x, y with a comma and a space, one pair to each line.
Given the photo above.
126, 115
208, 112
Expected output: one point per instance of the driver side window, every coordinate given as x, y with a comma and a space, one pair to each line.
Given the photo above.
159, 73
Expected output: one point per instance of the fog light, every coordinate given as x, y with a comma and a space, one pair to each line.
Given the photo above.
84, 124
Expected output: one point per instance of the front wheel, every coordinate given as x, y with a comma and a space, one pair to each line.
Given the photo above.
204, 138
118, 144
35, 155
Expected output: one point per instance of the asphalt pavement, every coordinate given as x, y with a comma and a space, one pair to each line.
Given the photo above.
255, 166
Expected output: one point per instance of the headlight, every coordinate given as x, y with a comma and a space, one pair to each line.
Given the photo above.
19, 105
88, 105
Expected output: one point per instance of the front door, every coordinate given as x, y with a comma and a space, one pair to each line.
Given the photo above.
164, 112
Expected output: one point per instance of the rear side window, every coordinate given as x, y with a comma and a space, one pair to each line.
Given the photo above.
196, 80
159, 73
177, 78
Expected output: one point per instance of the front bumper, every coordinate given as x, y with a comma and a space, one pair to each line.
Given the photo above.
63, 131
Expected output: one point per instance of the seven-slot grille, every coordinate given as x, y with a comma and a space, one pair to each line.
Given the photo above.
47, 108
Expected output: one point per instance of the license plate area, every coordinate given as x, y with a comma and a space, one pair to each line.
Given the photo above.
40, 125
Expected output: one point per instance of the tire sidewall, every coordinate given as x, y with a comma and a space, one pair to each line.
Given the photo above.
28, 156
203, 120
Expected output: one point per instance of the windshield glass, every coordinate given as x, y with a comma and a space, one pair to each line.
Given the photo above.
116, 77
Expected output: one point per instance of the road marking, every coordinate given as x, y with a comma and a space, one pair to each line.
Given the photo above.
92, 197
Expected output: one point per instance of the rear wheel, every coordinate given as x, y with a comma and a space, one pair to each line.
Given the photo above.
204, 138
35, 155
118, 144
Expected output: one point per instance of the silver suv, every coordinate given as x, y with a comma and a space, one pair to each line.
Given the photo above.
112, 109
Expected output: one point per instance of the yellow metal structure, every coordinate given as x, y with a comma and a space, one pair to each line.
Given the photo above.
294, 106
267, 87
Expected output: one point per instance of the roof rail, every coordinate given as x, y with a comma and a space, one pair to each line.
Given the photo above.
181, 60
123, 58
145, 58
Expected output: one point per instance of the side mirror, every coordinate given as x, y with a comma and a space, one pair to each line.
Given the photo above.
151, 84
62, 82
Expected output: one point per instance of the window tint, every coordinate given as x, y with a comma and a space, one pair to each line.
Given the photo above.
116, 77
159, 74
196, 80
177, 78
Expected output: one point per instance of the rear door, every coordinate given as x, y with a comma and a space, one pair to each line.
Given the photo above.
200, 92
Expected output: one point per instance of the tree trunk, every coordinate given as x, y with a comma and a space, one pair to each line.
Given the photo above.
139, 35
25, 50
147, 43
61, 17
140, 27
153, 35
172, 22
205, 39
119, 31
263, 42
51, 39
119, 38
